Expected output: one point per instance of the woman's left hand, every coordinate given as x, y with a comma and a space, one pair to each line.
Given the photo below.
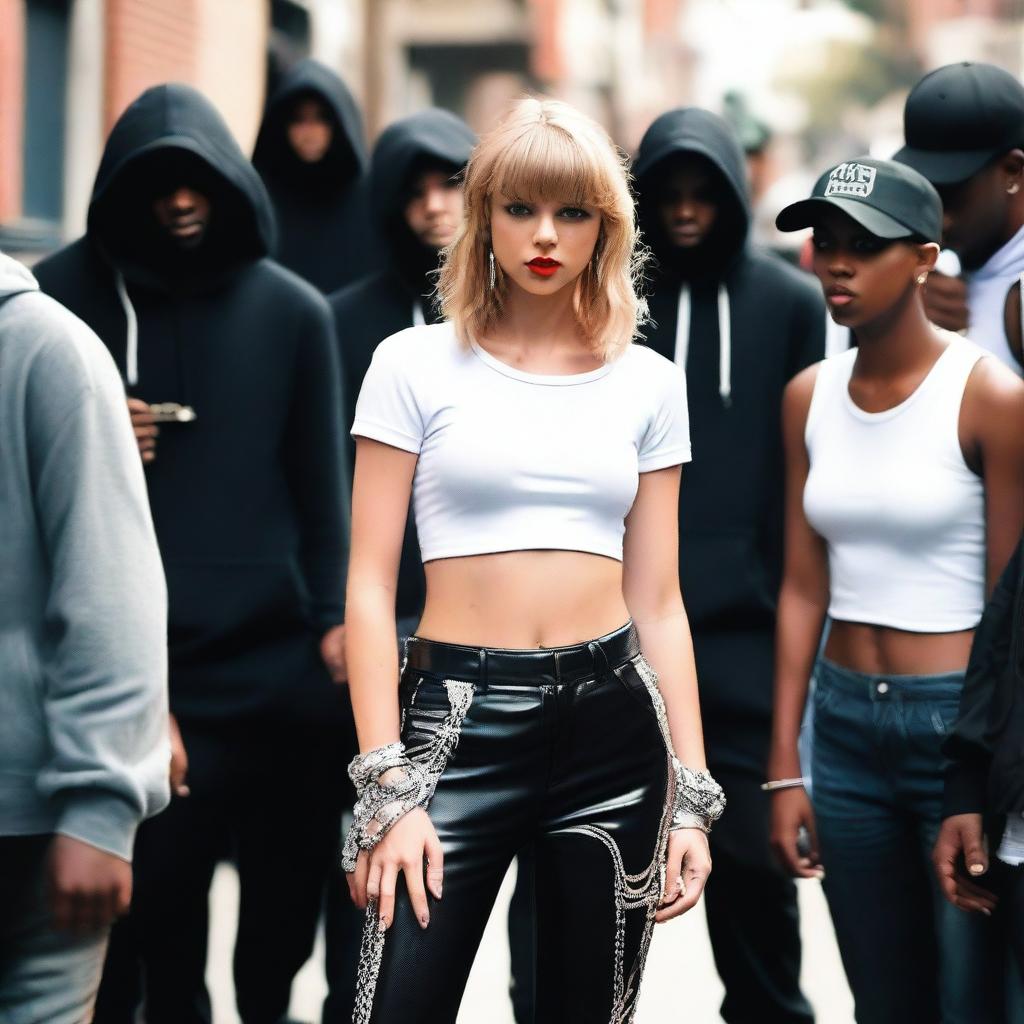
686, 870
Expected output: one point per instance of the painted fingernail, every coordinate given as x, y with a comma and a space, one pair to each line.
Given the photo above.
424, 920
977, 869
382, 925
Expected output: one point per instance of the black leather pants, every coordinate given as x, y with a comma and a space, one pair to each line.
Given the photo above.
563, 748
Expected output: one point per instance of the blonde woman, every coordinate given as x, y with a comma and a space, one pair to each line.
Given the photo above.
542, 450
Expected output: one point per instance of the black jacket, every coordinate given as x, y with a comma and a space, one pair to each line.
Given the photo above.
732, 495
249, 500
323, 226
986, 745
381, 304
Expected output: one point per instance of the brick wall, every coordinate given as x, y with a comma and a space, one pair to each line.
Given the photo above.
148, 42
12, 106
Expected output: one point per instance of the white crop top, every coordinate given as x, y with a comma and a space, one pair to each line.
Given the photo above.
902, 514
510, 461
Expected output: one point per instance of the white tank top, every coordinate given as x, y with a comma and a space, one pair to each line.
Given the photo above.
902, 514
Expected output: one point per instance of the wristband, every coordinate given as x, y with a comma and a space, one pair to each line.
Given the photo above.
774, 784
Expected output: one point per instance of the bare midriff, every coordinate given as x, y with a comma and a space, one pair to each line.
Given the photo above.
881, 650
523, 599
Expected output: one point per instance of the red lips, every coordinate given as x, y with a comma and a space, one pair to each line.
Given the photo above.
543, 266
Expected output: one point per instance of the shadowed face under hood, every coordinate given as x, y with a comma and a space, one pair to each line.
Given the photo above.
343, 162
427, 140
691, 130
171, 129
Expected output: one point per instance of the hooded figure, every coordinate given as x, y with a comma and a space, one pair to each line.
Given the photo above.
324, 230
248, 497
83, 677
383, 303
742, 322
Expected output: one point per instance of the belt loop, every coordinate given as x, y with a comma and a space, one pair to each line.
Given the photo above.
483, 670
597, 652
558, 667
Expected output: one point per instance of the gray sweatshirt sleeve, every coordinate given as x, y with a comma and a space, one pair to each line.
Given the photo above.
105, 650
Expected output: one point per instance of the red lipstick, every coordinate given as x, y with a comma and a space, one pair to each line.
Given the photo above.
543, 266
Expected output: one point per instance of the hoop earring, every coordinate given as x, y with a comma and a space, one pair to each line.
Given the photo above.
491, 274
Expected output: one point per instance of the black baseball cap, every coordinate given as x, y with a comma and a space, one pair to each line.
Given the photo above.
959, 118
891, 200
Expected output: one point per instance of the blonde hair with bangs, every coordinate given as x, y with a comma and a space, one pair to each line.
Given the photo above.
544, 149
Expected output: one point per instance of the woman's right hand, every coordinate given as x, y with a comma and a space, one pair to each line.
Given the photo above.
791, 809
408, 842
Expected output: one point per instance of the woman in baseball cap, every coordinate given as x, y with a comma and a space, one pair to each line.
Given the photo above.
905, 479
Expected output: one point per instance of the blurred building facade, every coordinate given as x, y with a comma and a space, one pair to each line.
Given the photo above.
68, 68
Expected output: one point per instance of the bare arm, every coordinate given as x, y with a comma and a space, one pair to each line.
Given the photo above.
1012, 323
651, 591
652, 595
992, 438
380, 503
803, 597
803, 603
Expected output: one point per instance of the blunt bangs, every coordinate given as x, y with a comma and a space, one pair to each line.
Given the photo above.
546, 162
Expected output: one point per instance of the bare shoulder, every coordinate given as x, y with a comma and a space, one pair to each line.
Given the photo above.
994, 400
796, 399
992, 382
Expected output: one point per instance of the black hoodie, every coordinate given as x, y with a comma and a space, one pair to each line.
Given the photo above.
986, 745
382, 304
755, 321
249, 499
324, 230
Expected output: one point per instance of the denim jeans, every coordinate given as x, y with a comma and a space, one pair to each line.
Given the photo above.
909, 955
46, 976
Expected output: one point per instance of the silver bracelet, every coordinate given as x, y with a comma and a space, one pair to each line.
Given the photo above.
380, 804
774, 784
699, 800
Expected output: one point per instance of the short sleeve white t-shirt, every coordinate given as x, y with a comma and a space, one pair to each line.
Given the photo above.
513, 461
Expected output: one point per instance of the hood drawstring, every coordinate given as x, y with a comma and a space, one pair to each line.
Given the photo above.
724, 339
131, 357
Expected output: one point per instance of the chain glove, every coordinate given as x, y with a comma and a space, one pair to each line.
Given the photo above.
699, 800
379, 803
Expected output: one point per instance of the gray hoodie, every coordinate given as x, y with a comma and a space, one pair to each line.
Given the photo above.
83, 607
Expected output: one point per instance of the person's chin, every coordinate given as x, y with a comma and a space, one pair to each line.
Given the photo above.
687, 241
189, 243
438, 241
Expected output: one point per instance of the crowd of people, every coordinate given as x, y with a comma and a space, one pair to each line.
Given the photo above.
349, 541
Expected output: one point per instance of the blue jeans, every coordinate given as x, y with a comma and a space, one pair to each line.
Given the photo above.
909, 955
46, 976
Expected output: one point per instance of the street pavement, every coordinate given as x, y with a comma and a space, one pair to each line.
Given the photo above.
680, 984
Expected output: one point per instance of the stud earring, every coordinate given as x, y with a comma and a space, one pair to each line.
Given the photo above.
922, 279
1013, 189
492, 276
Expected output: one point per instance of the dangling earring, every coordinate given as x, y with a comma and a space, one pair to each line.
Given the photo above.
1013, 189
492, 276
922, 279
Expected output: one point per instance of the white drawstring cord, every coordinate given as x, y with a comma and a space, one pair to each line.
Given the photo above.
724, 338
724, 346
131, 358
